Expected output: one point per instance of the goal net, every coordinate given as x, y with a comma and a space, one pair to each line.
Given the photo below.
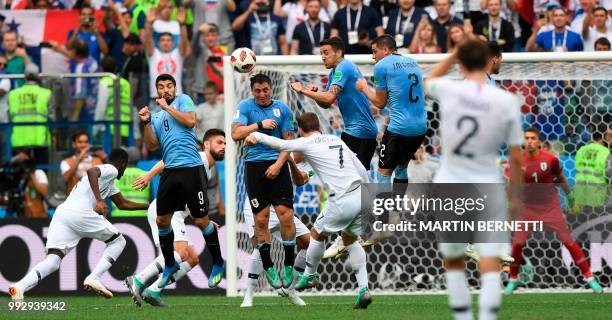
566, 96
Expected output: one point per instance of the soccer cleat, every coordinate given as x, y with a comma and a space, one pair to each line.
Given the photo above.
294, 298
15, 293
273, 278
153, 298
336, 248
287, 276
511, 286
594, 285
94, 285
167, 275
363, 299
306, 281
247, 302
136, 288
216, 275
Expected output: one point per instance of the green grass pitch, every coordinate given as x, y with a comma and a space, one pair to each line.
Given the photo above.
518, 306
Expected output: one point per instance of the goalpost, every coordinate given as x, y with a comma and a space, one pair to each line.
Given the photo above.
566, 95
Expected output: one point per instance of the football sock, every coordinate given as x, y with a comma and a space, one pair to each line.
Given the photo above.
39, 272
166, 243
313, 255
154, 268
264, 253
185, 267
109, 256
357, 257
289, 248
300, 261
212, 243
490, 297
579, 259
517, 254
255, 269
459, 298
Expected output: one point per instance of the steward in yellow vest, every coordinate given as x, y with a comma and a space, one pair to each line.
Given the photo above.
30, 103
591, 181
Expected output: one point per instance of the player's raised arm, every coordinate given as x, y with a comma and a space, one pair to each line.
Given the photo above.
377, 97
93, 174
275, 143
124, 204
440, 69
143, 180
186, 118
150, 139
324, 99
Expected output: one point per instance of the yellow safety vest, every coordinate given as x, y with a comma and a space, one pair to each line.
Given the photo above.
125, 104
591, 183
30, 103
125, 186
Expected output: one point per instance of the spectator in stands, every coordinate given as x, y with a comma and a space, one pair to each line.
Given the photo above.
209, 115
266, 30
16, 54
89, 31
495, 28
30, 103
36, 188
75, 166
295, 13
356, 24
383, 8
5, 87
116, 32
209, 60
166, 57
425, 40
136, 15
308, 34
105, 106
2, 18
561, 39
214, 12
595, 27
443, 21
164, 23
456, 35
136, 70
585, 7
403, 22
602, 44
470, 11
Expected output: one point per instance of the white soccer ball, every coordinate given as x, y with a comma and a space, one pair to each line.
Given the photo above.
243, 60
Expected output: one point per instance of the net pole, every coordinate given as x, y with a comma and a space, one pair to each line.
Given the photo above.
231, 207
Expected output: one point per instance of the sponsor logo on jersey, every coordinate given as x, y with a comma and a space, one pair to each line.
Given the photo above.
277, 112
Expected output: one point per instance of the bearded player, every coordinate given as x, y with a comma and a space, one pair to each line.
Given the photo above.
542, 204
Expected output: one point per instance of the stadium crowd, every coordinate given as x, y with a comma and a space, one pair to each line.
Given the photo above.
140, 39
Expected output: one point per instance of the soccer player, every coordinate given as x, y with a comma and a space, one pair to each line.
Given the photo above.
359, 127
342, 173
83, 215
398, 82
183, 181
541, 203
495, 60
477, 119
268, 180
302, 233
214, 150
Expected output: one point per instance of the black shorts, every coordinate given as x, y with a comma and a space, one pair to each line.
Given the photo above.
396, 149
363, 148
180, 187
264, 192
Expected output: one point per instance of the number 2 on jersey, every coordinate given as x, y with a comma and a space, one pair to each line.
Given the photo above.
340, 157
414, 79
459, 150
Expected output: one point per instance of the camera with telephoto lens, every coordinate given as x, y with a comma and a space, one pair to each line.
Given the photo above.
14, 176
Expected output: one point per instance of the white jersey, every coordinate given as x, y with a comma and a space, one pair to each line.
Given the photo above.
82, 197
476, 120
333, 162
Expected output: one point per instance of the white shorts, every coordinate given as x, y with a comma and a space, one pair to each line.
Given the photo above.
68, 226
341, 214
484, 250
178, 224
273, 224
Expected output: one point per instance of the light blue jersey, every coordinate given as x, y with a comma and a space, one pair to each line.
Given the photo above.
178, 143
402, 78
354, 105
249, 112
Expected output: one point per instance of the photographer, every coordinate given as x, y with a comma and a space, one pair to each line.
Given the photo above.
209, 60
36, 187
89, 31
76, 166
